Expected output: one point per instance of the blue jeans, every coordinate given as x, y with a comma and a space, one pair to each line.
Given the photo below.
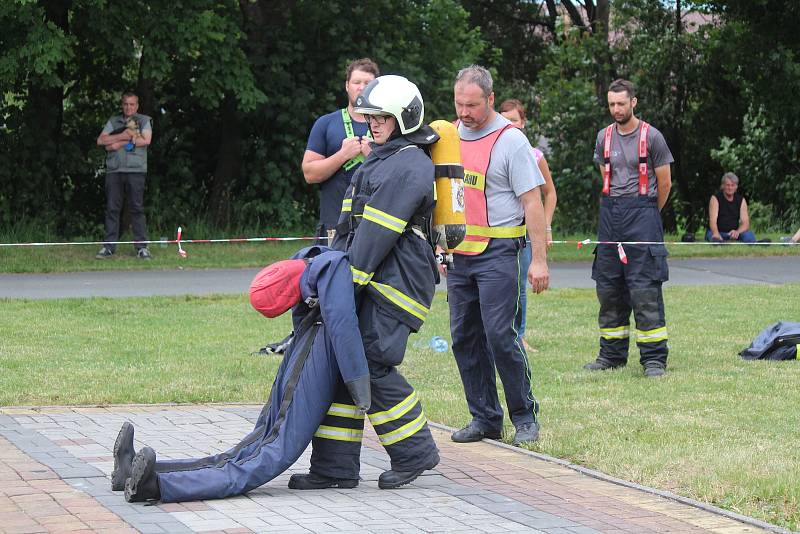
746, 237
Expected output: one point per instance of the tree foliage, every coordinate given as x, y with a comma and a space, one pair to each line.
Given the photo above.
233, 87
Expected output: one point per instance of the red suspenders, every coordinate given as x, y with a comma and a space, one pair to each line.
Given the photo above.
642, 158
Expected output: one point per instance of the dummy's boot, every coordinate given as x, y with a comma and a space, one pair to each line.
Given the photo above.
143, 482
311, 481
394, 479
123, 457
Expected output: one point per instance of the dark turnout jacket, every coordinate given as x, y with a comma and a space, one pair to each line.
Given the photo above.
390, 196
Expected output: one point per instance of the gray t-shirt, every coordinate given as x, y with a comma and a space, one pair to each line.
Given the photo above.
625, 160
512, 171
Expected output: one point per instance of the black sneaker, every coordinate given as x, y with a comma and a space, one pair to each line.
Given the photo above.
526, 433
312, 481
143, 482
144, 254
471, 433
104, 253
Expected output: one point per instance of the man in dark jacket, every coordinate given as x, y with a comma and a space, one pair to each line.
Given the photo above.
326, 353
385, 217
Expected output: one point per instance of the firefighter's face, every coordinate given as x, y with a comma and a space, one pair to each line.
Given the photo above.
356, 84
473, 108
382, 127
130, 105
620, 106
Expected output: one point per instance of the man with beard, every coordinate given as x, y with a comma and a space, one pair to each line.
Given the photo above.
634, 162
337, 145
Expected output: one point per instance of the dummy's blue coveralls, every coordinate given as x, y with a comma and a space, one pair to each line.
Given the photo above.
327, 352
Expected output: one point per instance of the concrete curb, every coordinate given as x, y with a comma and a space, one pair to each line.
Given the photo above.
653, 491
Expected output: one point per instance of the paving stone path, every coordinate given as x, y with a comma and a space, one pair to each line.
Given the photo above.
56, 462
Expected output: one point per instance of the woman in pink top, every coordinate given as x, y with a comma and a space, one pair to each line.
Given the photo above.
514, 111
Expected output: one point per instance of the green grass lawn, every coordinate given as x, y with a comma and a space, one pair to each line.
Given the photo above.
715, 428
257, 254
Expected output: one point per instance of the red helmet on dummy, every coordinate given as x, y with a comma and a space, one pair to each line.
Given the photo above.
276, 288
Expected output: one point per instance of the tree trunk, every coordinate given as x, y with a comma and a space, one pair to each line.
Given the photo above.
45, 114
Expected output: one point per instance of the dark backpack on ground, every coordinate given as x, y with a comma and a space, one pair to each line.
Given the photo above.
779, 341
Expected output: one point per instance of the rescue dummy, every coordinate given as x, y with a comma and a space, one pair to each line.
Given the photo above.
327, 353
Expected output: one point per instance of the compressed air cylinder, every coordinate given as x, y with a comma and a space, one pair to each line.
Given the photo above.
448, 216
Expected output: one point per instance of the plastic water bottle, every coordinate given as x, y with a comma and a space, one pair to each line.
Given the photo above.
439, 344
163, 245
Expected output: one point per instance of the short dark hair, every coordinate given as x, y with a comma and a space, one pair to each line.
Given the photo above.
513, 103
127, 94
364, 64
622, 86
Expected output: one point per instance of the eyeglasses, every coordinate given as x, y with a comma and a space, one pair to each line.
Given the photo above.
380, 120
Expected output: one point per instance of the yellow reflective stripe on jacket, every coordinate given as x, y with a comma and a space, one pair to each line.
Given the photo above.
384, 219
403, 432
402, 300
496, 231
617, 332
347, 204
395, 412
651, 336
338, 433
345, 410
360, 277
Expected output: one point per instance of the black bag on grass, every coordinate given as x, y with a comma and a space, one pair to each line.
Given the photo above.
779, 341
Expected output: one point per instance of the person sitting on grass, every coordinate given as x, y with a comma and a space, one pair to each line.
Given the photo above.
728, 218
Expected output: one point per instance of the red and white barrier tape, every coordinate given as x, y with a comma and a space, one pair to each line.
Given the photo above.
179, 241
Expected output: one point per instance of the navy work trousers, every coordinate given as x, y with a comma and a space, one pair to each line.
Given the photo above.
635, 286
483, 292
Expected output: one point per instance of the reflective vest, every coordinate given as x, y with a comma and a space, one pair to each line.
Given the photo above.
475, 156
644, 127
348, 131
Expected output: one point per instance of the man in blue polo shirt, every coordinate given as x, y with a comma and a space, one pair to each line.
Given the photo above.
337, 144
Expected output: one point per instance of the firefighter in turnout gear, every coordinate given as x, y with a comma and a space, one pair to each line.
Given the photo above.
384, 226
634, 162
